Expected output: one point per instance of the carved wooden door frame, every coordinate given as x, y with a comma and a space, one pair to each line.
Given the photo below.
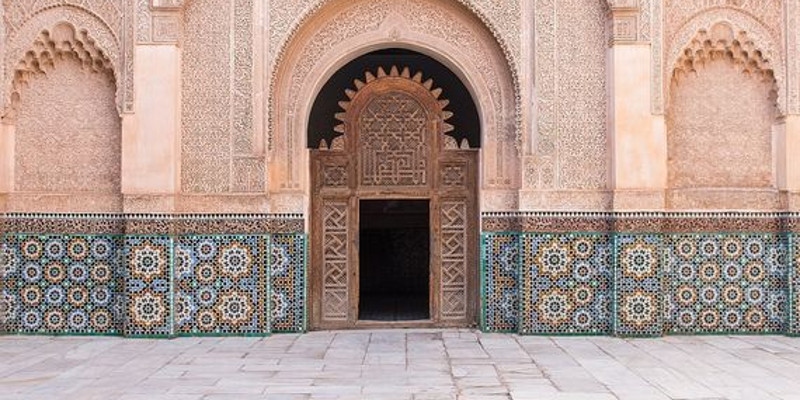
394, 145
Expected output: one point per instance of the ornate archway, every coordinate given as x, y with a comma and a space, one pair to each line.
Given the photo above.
340, 31
394, 144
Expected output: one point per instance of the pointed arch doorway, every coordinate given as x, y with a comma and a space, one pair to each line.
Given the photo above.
394, 204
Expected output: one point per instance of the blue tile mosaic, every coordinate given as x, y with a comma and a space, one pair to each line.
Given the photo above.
500, 277
565, 284
220, 285
61, 284
638, 295
727, 283
287, 264
148, 286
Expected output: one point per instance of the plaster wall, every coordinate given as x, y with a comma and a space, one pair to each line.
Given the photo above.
151, 136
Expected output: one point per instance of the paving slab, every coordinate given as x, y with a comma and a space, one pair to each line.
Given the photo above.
457, 364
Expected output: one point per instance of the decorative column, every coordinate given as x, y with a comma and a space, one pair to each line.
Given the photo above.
638, 138
151, 136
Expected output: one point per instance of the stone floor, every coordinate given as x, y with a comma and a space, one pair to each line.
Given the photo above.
418, 365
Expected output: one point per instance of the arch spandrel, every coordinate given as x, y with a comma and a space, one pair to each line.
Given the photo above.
502, 20
342, 31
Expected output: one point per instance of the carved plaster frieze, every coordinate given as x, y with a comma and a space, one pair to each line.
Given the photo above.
631, 21
793, 55
502, 18
60, 42
624, 24
218, 150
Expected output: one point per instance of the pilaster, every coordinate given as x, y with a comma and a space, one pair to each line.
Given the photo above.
151, 136
789, 178
7, 131
638, 138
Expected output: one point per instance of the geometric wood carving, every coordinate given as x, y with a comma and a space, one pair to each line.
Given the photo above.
335, 304
453, 292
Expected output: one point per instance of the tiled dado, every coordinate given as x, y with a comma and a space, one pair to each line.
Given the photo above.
642, 274
186, 278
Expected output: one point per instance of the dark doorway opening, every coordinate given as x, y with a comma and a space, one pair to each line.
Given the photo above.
394, 260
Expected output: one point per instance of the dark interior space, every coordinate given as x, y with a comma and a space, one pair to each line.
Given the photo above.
465, 113
394, 263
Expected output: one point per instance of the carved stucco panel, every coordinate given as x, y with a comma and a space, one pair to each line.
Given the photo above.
571, 149
657, 54
646, 19
144, 21
502, 17
158, 21
110, 22
720, 129
68, 132
631, 20
217, 149
793, 55
763, 20
206, 100
769, 13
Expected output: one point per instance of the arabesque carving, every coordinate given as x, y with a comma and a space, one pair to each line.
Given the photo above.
502, 18
570, 149
110, 23
62, 42
218, 148
720, 117
67, 127
721, 42
762, 20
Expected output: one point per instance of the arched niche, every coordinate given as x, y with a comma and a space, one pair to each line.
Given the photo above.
723, 119
102, 36
63, 123
757, 32
342, 31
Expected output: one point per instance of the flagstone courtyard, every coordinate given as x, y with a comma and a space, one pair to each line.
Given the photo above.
400, 364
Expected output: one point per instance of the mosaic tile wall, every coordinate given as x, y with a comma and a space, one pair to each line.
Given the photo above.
726, 283
794, 286
287, 276
62, 284
218, 281
173, 283
499, 280
565, 284
638, 294
643, 275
